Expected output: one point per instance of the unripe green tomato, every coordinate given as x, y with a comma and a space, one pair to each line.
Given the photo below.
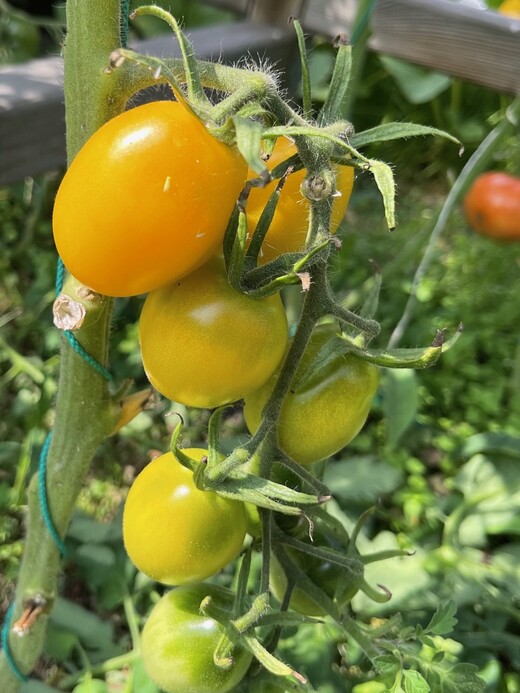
178, 642
319, 420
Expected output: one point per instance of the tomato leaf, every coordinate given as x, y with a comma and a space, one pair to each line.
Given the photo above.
400, 402
418, 85
414, 682
443, 620
397, 131
491, 442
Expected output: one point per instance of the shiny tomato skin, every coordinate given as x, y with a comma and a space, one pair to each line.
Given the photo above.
178, 642
492, 206
146, 200
320, 420
204, 344
288, 229
174, 532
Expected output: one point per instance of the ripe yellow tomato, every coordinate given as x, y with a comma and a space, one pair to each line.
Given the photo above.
288, 229
174, 532
320, 419
146, 200
204, 344
510, 8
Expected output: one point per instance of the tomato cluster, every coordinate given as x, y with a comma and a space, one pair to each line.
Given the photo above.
143, 209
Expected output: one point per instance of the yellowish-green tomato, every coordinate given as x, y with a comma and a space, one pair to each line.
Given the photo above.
318, 420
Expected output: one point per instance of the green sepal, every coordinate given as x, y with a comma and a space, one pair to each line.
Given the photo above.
247, 640
304, 64
296, 576
396, 131
302, 473
285, 619
186, 461
380, 597
248, 134
262, 227
158, 68
263, 493
422, 357
354, 566
338, 87
371, 302
235, 260
269, 661
384, 179
293, 272
230, 235
196, 92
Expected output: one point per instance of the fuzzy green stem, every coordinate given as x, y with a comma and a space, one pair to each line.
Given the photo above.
84, 414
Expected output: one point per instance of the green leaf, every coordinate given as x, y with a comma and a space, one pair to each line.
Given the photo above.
400, 402
141, 682
443, 620
34, 686
416, 84
478, 475
99, 556
414, 682
492, 442
461, 678
362, 480
385, 182
397, 131
92, 630
249, 139
386, 665
59, 643
88, 530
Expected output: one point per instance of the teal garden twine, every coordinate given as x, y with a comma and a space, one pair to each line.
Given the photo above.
42, 467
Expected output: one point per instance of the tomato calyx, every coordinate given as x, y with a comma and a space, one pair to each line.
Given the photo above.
320, 573
229, 476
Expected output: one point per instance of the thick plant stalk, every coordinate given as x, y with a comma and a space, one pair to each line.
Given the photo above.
84, 413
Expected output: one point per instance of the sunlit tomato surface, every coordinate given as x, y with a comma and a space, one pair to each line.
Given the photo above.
320, 419
204, 344
146, 200
338, 584
492, 206
178, 642
510, 8
288, 229
173, 531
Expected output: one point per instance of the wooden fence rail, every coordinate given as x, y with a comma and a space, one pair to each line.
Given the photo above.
480, 46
